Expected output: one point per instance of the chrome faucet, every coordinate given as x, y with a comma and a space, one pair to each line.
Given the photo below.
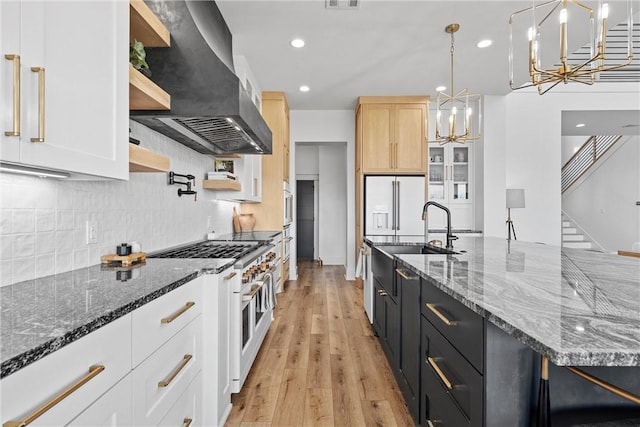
450, 236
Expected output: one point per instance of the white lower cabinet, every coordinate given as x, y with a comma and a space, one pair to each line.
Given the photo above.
102, 358
188, 409
166, 374
141, 369
112, 410
216, 369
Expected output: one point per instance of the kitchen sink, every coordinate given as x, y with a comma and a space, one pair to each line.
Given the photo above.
415, 249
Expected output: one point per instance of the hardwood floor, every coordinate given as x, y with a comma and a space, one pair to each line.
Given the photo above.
320, 364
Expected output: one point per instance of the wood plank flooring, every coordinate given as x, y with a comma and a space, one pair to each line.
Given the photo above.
320, 364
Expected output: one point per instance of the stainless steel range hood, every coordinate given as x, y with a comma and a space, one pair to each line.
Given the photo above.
210, 112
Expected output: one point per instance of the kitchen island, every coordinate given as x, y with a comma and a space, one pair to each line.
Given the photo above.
571, 307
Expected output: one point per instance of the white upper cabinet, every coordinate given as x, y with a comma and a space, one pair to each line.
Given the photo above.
248, 169
73, 84
451, 183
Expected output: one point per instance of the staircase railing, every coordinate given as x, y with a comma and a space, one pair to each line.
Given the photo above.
585, 157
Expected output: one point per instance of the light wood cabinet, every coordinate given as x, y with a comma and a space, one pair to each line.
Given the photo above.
70, 118
391, 135
390, 140
269, 214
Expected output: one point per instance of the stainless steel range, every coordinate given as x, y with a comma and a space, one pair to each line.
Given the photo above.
253, 296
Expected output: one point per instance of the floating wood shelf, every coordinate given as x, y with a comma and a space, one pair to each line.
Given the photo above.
629, 253
145, 94
221, 184
143, 160
227, 156
146, 27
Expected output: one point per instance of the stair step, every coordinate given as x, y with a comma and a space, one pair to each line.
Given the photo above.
577, 245
566, 223
573, 238
569, 230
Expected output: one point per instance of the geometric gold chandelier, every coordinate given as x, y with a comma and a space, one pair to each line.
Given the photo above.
549, 59
460, 110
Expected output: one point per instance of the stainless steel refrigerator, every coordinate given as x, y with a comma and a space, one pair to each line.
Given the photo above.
393, 205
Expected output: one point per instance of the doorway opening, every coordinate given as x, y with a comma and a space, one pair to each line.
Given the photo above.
305, 219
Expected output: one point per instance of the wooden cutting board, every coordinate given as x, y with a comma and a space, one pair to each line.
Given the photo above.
124, 260
236, 221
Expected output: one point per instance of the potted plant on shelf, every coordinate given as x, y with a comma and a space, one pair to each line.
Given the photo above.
137, 58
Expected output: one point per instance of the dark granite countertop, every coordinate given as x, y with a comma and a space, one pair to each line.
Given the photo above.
43, 315
249, 236
577, 307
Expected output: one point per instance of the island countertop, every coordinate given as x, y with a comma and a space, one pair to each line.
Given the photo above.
43, 315
577, 307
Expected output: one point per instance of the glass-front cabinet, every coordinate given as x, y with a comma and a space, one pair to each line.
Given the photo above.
451, 184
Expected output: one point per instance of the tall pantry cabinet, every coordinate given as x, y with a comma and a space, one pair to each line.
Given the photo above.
390, 140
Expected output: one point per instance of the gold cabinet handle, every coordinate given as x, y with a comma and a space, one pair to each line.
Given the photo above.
94, 370
187, 422
441, 316
16, 94
441, 374
404, 275
230, 276
185, 360
41, 89
178, 313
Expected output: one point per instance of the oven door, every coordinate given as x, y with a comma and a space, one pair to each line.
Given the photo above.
255, 309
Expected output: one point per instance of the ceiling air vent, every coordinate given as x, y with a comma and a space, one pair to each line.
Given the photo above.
342, 4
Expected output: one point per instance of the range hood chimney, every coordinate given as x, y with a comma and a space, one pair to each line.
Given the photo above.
210, 110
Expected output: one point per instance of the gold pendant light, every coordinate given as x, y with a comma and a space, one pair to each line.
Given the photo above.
461, 110
582, 51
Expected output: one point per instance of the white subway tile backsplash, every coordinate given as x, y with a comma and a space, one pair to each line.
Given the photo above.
46, 243
24, 221
24, 245
64, 221
24, 269
80, 258
43, 222
6, 247
64, 241
6, 272
45, 265
6, 221
6, 193
24, 196
64, 261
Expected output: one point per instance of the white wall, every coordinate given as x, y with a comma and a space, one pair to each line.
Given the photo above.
604, 204
533, 150
43, 221
332, 207
494, 168
306, 161
329, 126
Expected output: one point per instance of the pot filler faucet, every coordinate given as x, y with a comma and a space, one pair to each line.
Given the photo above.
450, 236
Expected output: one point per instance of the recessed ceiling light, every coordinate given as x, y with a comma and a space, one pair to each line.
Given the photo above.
484, 43
580, 328
304, 88
297, 43
441, 88
580, 125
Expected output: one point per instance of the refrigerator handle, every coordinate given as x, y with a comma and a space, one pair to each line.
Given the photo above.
393, 205
398, 205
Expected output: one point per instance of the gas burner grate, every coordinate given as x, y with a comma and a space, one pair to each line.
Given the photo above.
208, 250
